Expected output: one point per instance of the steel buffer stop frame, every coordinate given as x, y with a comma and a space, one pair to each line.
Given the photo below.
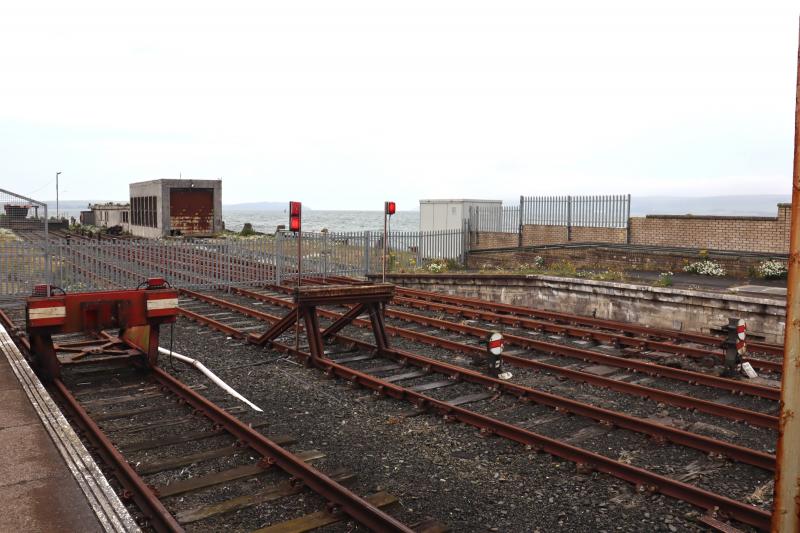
137, 314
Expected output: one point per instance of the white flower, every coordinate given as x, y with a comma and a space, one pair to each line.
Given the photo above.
772, 269
705, 268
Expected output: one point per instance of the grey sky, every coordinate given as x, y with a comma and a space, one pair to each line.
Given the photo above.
342, 107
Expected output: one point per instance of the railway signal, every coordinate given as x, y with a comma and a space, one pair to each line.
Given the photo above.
295, 225
295, 215
389, 209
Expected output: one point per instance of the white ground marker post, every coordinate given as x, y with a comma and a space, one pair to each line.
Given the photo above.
786, 508
494, 346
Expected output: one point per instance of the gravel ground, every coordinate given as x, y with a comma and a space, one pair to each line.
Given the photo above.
447, 471
436, 469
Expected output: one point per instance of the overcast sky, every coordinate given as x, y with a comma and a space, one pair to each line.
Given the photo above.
343, 107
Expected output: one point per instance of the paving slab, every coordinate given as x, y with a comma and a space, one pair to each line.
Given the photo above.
48, 481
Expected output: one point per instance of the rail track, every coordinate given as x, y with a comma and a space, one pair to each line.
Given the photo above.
459, 393
151, 430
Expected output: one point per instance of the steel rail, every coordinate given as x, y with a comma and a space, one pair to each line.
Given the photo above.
641, 477
147, 500
622, 420
584, 333
342, 498
577, 319
688, 376
143, 495
726, 411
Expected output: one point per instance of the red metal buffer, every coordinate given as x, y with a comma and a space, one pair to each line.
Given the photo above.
137, 313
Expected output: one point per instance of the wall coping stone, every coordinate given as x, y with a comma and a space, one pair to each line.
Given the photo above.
655, 292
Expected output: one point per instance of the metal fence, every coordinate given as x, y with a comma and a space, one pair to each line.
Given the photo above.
609, 211
500, 219
86, 264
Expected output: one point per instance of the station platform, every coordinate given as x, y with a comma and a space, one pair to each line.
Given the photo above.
48, 480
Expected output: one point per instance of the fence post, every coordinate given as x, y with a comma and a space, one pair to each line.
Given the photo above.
569, 218
278, 254
366, 253
628, 220
521, 219
464, 242
324, 254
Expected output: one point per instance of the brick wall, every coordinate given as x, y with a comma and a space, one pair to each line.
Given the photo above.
748, 234
753, 234
487, 240
588, 234
533, 235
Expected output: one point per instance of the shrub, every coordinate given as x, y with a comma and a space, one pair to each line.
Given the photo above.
609, 275
705, 268
247, 230
437, 267
563, 268
772, 269
665, 279
538, 261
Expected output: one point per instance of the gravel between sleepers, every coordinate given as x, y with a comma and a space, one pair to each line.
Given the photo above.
436, 469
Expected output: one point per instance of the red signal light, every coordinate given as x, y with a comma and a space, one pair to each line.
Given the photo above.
295, 214
390, 208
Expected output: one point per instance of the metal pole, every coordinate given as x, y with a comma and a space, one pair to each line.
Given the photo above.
367, 243
57, 214
786, 509
297, 307
385, 244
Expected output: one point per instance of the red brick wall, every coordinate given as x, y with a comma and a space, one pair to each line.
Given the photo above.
587, 234
533, 235
487, 240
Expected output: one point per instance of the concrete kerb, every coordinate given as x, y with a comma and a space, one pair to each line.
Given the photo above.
104, 502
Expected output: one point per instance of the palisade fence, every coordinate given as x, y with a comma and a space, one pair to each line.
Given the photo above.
86, 265
609, 211
498, 219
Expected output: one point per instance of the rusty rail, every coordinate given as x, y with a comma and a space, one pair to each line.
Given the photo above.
582, 320
583, 333
583, 354
678, 436
702, 498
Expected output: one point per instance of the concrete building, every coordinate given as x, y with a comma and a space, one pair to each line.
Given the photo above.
438, 215
111, 214
166, 207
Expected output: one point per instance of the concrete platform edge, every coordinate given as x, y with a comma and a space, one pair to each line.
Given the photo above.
109, 510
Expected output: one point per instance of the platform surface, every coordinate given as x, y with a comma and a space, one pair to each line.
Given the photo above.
37, 489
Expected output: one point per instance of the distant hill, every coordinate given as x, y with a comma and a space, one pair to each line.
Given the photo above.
752, 205
259, 206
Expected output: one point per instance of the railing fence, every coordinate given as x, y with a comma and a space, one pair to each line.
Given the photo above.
86, 265
499, 219
608, 211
